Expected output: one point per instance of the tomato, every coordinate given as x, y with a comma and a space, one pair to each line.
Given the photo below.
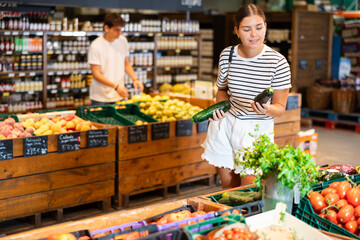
343, 187
236, 211
84, 238
358, 221
334, 185
341, 203
331, 198
317, 201
351, 226
357, 211
322, 215
250, 235
331, 215
353, 196
345, 213
328, 190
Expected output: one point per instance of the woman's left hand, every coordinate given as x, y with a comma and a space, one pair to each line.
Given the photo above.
260, 109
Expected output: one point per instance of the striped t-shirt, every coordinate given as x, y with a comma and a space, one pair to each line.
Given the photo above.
247, 77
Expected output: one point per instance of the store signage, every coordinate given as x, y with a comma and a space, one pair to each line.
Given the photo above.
34, 146
6, 149
8, 4
97, 138
68, 142
191, 3
184, 128
160, 131
202, 126
137, 134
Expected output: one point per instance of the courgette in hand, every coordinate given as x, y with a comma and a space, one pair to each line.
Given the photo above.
208, 112
264, 96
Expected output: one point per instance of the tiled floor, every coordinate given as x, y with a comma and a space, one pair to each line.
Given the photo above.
337, 147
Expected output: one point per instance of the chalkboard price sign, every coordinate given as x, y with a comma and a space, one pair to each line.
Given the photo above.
184, 128
97, 138
202, 126
34, 146
137, 134
160, 131
6, 149
68, 142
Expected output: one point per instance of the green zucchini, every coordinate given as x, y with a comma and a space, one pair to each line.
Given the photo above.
208, 112
264, 96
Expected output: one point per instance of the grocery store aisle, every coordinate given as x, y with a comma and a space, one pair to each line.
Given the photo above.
337, 147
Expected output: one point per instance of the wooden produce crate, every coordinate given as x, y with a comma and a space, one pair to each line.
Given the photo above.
287, 126
115, 218
151, 164
31, 185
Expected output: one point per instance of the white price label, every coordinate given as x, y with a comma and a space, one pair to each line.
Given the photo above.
56, 34
84, 90
7, 33
8, 52
15, 33
59, 73
21, 74
11, 75
25, 52
65, 90
53, 91
137, 34
83, 72
39, 33
50, 73
32, 74
26, 33
31, 92
58, 52
66, 73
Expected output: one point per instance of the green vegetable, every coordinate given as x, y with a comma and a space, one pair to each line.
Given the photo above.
292, 166
224, 200
240, 199
208, 112
333, 176
264, 96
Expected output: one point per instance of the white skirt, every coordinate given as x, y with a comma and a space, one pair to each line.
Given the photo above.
225, 137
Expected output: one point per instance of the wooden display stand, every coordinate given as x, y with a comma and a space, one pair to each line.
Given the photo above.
54, 181
116, 218
159, 164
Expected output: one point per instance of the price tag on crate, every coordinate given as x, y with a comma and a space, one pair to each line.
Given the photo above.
34, 146
184, 128
97, 138
137, 134
160, 131
68, 142
6, 149
202, 126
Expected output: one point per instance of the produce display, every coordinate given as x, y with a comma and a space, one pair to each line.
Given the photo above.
11, 129
144, 98
178, 216
340, 204
56, 125
239, 197
170, 110
334, 172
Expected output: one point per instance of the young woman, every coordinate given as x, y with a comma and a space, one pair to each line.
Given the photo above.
253, 68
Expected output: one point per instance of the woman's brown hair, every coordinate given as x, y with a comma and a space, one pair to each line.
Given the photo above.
246, 11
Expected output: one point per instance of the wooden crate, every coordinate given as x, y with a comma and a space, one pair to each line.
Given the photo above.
54, 181
116, 218
159, 164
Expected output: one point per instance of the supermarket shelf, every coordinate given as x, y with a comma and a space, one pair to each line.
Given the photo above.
83, 90
21, 73
176, 50
16, 52
141, 50
67, 72
66, 52
21, 32
27, 92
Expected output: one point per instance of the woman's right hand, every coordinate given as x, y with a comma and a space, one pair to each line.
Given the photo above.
217, 115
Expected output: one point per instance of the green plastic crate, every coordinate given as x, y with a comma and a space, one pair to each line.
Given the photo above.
82, 110
215, 198
208, 225
132, 112
306, 213
52, 110
107, 115
323, 185
4, 116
